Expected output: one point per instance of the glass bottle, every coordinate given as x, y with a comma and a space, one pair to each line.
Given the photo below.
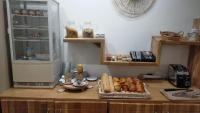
79, 75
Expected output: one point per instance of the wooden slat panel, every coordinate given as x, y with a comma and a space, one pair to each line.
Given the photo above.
116, 107
40, 107
80, 107
194, 65
102, 52
14, 106
0, 108
27, 106
181, 108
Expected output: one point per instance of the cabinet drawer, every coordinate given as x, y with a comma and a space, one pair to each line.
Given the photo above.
119, 107
181, 108
80, 107
27, 106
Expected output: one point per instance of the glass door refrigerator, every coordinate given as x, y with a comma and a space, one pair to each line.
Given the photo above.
34, 42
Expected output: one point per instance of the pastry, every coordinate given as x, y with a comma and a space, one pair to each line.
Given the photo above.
132, 88
122, 80
129, 79
125, 87
31, 12
115, 79
140, 88
117, 86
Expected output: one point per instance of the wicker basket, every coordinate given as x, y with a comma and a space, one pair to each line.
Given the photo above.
133, 95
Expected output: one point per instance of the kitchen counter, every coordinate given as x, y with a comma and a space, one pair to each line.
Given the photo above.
51, 101
90, 94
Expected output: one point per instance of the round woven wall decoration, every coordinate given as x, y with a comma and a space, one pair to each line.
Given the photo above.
133, 8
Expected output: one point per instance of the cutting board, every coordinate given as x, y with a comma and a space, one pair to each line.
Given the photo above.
169, 95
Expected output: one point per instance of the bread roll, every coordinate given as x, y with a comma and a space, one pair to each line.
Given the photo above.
115, 79
117, 86
105, 82
111, 84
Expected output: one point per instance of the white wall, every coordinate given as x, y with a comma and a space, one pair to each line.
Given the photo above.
123, 34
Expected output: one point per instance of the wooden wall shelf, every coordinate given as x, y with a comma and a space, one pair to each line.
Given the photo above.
156, 45
163, 40
117, 63
97, 41
100, 42
86, 40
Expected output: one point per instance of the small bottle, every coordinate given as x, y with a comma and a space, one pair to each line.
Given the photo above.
29, 52
79, 72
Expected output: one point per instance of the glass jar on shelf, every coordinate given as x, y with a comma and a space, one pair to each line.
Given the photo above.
71, 30
87, 31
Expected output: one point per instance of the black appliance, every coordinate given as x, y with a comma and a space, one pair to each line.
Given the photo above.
179, 76
142, 56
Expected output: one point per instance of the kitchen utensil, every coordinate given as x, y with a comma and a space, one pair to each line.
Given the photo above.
175, 89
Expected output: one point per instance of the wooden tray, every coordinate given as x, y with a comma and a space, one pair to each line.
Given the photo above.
133, 95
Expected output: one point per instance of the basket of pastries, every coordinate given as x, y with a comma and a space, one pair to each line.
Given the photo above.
122, 87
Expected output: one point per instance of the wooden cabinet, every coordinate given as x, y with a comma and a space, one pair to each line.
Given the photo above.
120, 107
42, 106
50, 101
181, 108
27, 106
0, 108
80, 107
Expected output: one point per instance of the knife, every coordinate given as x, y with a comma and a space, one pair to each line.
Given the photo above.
175, 89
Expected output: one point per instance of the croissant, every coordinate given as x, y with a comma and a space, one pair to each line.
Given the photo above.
132, 88
140, 88
122, 80
129, 79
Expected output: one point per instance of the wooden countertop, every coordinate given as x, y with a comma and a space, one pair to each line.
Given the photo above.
90, 94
